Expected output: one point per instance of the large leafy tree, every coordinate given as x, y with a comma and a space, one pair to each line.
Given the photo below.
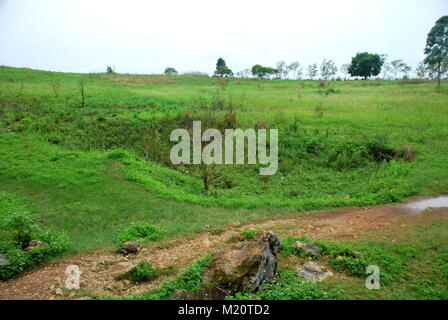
261, 72
436, 50
222, 69
365, 65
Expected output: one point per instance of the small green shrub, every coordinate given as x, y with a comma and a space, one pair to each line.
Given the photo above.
21, 227
350, 265
441, 263
142, 272
140, 230
408, 252
288, 245
189, 280
249, 233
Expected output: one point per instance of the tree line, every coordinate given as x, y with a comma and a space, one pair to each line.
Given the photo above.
363, 64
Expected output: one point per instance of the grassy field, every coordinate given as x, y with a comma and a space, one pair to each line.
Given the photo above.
80, 164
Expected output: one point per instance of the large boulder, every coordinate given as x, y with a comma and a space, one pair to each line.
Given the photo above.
243, 266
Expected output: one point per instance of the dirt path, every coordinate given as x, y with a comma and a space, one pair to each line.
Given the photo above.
99, 267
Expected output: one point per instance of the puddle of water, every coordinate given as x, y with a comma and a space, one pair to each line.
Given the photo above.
422, 205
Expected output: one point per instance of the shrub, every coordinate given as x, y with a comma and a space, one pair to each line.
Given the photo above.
142, 272
189, 280
249, 233
350, 265
19, 261
140, 230
21, 228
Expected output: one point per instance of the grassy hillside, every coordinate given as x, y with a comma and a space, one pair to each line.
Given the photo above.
81, 165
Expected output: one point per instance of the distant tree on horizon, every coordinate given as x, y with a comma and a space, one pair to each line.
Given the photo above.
328, 69
422, 70
312, 71
366, 65
344, 69
399, 66
436, 49
222, 69
296, 69
283, 69
261, 72
170, 71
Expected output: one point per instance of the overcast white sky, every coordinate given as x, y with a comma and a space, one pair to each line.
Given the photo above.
147, 36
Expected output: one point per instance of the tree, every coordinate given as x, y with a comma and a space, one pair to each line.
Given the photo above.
328, 69
110, 69
344, 70
436, 49
387, 69
312, 71
365, 65
283, 69
171, 71
243, 73
222, 69
398, 66
422, 70
295, 67
261, 72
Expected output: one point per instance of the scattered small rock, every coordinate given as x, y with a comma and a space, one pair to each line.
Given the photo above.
130, 247
308, 248
313, 272
59, 292
107, 262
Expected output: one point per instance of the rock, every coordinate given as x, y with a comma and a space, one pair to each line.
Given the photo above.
312, 272
59, 292
3, 259
34, 244
130, 247
308, 248
243, 265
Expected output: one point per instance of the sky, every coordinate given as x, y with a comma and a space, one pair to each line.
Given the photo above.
190, 35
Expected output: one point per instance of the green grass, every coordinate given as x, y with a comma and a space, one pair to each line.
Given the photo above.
83, 169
